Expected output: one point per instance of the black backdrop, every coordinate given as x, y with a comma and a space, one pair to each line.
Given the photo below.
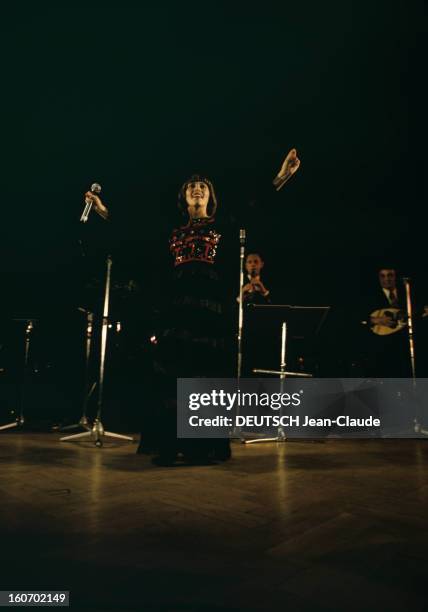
139, 97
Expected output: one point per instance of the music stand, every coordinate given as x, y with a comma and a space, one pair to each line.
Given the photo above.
19, 421
297, 322
97, 431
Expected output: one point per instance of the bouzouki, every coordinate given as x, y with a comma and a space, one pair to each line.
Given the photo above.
387, 321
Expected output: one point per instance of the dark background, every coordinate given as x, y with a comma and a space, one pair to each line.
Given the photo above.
140, 97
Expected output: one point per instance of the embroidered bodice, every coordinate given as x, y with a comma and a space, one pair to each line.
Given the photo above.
196, 241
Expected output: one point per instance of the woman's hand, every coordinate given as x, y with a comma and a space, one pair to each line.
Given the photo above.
290, 165
97, 204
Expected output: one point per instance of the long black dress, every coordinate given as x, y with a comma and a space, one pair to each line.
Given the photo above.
192, 340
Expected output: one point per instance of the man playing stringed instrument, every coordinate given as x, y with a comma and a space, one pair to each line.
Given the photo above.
387, 346
390, 318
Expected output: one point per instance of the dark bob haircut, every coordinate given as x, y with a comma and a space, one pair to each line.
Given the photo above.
212, 203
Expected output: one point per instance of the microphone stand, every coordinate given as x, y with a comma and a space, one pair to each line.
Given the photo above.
241, 303
19, 421
236, 433
406, 282
410, 335
97, 432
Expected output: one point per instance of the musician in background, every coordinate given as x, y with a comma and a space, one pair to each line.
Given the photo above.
254, 291
388, 284
386, 344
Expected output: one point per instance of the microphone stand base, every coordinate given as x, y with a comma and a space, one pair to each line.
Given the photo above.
19, 422
97, 433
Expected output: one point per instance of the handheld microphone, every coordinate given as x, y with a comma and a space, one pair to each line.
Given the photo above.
95, 189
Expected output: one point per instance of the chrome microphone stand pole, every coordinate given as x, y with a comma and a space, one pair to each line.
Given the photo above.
19, 421
281, 434
241, 303
236, 433
410, 335
406, 282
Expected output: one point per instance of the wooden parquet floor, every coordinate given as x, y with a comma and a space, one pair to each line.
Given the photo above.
340, 525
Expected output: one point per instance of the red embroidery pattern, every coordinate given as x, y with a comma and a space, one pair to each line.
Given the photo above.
194, 242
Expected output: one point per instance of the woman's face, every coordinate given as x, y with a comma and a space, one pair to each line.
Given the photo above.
197, 198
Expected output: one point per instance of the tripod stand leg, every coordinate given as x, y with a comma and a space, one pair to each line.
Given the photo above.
98, 433
258, 440
9, 425
85, 434
110, 434
83, 423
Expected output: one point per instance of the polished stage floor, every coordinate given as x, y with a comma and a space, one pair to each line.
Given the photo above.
339, 525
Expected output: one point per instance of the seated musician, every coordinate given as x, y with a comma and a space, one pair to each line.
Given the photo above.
390, 302
387, 343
